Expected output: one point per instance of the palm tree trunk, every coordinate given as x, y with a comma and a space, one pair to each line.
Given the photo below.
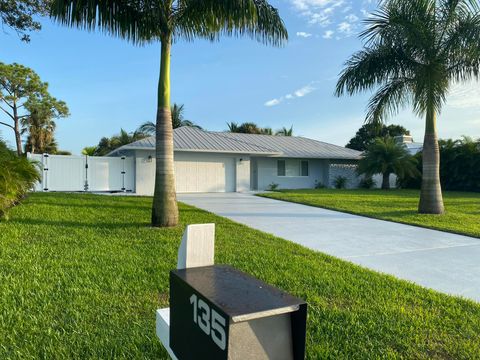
164, 209
431, 200
386, 181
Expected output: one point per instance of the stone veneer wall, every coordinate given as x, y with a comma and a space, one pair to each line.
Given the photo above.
346, 170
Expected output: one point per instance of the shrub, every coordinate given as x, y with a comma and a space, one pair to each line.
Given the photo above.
273, 187
319, 185
459, 166
367, 183
17, 177
340, 182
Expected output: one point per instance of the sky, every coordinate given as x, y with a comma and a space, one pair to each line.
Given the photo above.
110, 84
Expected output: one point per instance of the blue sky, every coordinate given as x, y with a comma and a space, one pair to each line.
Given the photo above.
110, 84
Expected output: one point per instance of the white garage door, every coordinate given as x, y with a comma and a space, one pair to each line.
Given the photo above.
205, 174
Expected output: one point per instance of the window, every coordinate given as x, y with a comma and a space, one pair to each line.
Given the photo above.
292, 168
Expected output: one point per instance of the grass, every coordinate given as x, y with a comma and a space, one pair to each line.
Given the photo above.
82, 275
462, 209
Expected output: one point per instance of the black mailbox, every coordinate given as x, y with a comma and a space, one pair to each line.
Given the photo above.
218, 312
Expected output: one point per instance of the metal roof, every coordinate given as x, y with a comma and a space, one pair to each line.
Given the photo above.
192, 139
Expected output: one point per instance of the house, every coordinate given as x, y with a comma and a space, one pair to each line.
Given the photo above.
207, 161
412, 146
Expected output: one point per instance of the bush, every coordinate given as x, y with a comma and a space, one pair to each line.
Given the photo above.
273, 187
319, 185
459, 166
340, 182
367, 183
17, 177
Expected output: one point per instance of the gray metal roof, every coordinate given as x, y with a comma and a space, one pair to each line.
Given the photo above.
193, 139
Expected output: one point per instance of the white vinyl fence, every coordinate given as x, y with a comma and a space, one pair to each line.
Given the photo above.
85, 173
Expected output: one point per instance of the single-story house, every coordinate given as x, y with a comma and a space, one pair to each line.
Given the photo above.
207, 161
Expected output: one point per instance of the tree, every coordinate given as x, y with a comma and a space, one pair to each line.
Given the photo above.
89, 150
40, 126
178, 120
19, 15
23, 93
413, 52
164, 21
285, 132
369, 131
248, 128
385, 156
107, 145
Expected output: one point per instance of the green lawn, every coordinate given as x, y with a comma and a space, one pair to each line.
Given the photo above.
82, 275
462, 209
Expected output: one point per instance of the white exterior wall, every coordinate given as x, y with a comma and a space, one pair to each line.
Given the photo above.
235, 173
267, 174
243, 174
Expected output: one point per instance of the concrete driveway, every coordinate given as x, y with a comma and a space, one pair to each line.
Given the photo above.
435, 259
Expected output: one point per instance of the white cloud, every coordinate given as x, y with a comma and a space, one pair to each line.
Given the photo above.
307, 89
344, 15
463, 96
303, 34
301, 92
273, 102
328, 34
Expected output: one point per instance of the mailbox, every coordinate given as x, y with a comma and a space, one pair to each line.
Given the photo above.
218, 312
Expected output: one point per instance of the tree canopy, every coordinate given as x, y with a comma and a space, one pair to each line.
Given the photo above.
22, 93
20, 15
368, 132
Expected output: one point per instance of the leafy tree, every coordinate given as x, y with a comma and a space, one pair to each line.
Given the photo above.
178, 120
248, 128
285, 132
164, 21
385, 156
19, 15
107, 145
369, 131
23, 93
413, 52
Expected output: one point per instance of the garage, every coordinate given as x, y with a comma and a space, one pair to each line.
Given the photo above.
204, 173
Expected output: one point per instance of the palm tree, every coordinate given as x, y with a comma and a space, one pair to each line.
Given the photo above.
89, 150
178, 120
413, 52
285, 132
167, 20
385, 156
232, 127
106, 145
248, 128
40, 128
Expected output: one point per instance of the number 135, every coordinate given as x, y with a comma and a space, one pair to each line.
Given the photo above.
211, 322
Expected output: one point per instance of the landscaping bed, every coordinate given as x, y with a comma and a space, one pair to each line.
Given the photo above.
82, 276
462, 208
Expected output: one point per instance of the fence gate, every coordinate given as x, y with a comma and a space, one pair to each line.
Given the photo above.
85, 173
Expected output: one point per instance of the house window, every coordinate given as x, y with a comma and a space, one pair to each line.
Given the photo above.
292, 168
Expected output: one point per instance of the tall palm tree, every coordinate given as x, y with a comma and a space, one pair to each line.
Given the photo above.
414, 50
178, 120
385, 156
166, 20
285, 132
